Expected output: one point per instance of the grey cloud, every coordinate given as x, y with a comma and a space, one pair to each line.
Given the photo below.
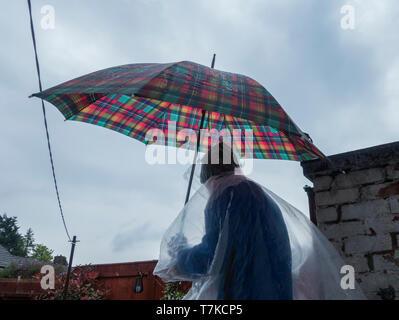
336, 85
135, 236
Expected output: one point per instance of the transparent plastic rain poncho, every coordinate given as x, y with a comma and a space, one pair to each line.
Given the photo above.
235, 239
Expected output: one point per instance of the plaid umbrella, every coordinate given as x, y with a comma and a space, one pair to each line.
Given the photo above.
135, 98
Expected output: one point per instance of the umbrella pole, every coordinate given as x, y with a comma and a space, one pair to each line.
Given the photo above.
203, 112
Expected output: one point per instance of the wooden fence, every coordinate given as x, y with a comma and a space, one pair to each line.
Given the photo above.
119, 279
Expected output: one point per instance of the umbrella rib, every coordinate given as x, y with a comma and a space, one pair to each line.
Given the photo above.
92, 101
92, 94
152, 78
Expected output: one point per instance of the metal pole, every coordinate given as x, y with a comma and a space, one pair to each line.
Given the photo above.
195, 157
69, 267
203, 112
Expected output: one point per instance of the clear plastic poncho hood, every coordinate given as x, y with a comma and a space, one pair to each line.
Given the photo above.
232, 245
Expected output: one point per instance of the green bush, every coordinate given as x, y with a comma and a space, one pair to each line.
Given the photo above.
24, 271
172, 292
83, 285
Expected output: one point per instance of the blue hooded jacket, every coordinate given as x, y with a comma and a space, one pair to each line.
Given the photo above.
257, 260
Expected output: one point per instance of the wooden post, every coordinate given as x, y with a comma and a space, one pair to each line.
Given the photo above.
69, 267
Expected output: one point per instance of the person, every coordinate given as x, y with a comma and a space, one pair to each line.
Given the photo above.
256, 261
235, 239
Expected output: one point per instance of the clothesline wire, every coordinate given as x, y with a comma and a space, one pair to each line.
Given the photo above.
45, 120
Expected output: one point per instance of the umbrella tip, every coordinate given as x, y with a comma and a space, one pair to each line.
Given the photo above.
213, 61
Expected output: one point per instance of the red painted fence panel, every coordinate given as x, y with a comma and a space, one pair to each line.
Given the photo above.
14, 289
119, 279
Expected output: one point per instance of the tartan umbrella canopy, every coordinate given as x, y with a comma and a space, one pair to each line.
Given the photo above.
135, 98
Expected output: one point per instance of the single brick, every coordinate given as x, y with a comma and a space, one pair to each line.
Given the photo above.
360, 177
386, 262
371, 282
391, 189
365, 209
394, 204
373, 192
327, 214
368, 244
359, 262
322, 183
328, 198
393, 171
345, 229
382, 225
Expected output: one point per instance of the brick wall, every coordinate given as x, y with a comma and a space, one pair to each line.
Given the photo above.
357, 208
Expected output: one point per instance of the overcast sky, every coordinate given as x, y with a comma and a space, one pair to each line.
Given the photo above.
339, 85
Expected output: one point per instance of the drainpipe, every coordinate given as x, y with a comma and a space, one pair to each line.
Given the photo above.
312, 204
